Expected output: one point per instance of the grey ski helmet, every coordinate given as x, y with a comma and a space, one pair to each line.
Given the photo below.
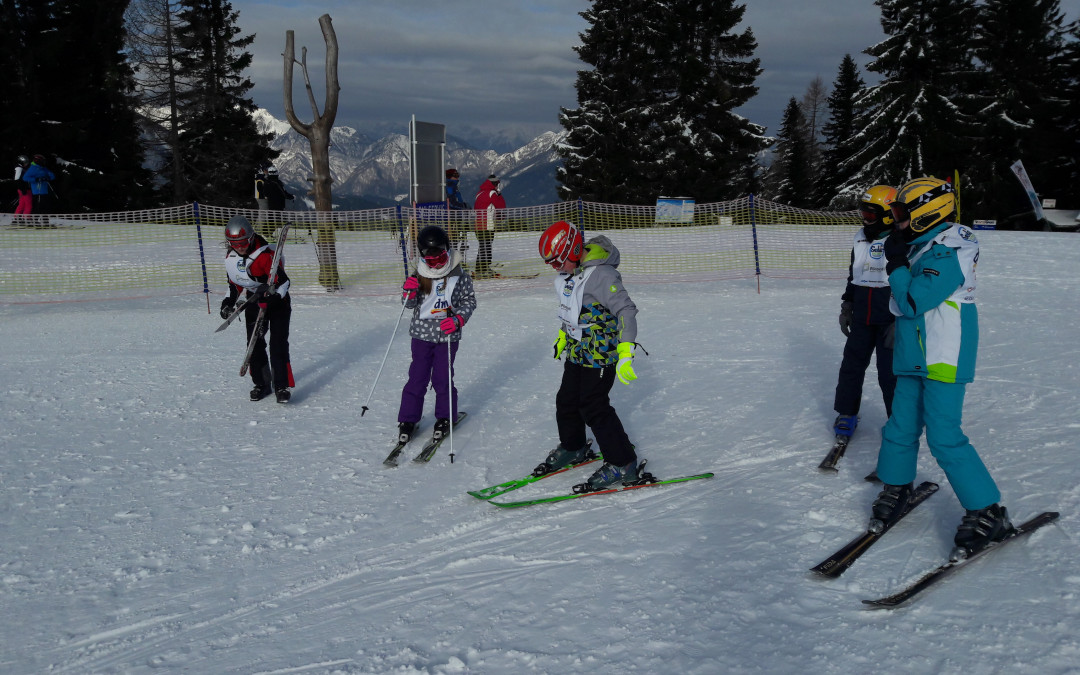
239, 231
22, 160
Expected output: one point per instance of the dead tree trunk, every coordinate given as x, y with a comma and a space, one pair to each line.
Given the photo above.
318, 135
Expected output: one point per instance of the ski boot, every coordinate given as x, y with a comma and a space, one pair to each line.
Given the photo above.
978, 529
609, 475
889, 506
560, 457
283, 395
405, 431
259, 392
442, 428
844, 425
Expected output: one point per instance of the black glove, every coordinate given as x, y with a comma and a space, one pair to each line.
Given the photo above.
259, 292
895, 252
227, 307
846, 310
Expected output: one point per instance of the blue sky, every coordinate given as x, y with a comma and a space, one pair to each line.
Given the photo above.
511, 65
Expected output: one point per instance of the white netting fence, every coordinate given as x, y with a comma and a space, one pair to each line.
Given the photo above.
179, 250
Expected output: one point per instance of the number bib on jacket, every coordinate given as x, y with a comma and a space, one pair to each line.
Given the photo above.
436, 304
571, 291
868, 267
236, 268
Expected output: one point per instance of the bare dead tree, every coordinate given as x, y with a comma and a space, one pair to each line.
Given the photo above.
318, 135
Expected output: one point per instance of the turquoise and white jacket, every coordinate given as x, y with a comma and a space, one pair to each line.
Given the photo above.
937, 324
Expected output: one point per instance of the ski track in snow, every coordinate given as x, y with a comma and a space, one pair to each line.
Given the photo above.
154, 519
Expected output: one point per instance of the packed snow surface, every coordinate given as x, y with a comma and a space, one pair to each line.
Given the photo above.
152, 518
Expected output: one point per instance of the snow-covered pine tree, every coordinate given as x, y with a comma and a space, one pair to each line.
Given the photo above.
1070, 127
655, 111
837, 132
219, 142
1020, 46
920, 119
790, 178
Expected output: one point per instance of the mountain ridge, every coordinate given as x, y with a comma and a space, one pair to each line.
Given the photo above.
372, 170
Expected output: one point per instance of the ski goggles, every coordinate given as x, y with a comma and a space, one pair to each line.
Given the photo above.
435, 260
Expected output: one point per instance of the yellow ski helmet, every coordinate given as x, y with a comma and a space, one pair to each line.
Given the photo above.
874, 208
925, 202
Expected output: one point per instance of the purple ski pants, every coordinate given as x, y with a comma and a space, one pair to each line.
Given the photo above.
428, 367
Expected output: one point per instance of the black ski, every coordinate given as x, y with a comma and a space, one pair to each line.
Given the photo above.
428, 451
838, 562
943, 571
829, 463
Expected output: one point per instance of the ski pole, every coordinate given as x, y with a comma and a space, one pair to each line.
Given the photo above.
364, 408
450, 379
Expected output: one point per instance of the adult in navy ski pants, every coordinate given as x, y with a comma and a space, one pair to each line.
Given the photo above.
429, 367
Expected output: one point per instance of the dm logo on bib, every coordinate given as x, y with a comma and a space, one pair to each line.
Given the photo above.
877, 250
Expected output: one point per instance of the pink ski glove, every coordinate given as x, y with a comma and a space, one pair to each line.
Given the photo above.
451, 324
410, 288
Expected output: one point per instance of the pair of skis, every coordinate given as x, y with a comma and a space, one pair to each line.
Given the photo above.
837, 563
427, 452
644, 480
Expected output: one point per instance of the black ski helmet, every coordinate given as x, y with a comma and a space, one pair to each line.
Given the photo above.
432, 240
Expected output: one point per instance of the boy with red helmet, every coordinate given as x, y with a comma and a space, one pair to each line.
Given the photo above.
599, 327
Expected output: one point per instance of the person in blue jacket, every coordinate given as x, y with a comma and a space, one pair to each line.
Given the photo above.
459, 229
931, 267
39, 177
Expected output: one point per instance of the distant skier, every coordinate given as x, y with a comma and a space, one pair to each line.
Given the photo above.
40, 179
865, 318
247, 265
25, 202
931, 267
441, 296
599, 326
489, 202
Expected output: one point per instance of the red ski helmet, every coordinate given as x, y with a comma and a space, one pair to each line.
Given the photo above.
561, 242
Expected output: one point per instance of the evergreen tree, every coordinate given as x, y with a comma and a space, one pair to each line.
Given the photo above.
1020, 46
1070, 126
790, 178
655, 108
220, 146
152, 52
72, 91
838, 132
919, 120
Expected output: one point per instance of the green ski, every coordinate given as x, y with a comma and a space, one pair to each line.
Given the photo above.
508, 486
624, 488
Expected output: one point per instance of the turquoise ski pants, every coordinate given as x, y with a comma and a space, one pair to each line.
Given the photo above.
937, 406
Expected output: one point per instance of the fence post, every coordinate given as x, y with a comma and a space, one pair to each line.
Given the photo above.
581, 217
202, 254
757, 255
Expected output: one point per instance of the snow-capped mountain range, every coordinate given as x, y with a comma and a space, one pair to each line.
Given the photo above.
370, 171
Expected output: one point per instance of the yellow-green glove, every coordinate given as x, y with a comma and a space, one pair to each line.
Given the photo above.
560, 344
624, 369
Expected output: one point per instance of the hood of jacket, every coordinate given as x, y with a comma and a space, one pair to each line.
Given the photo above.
600, 251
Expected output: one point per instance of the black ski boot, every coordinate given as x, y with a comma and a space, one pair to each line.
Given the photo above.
405, 431
442, 428
283, 395
561, 457
260, 392
978, 529
889, 506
